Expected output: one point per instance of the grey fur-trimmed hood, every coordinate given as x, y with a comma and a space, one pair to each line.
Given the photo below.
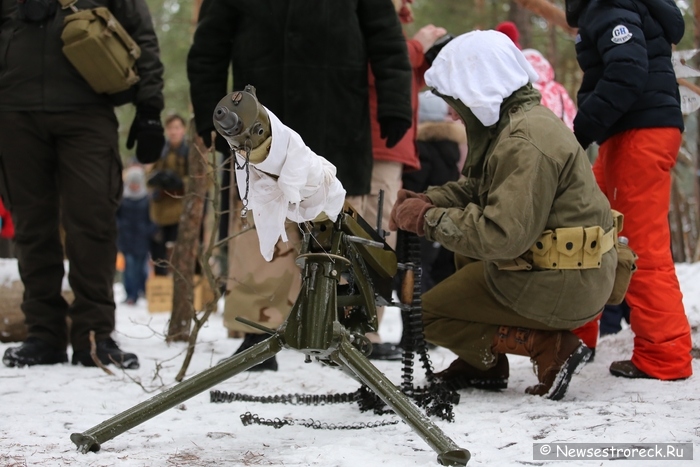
439, 131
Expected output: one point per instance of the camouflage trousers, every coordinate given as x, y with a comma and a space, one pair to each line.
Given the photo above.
260, 291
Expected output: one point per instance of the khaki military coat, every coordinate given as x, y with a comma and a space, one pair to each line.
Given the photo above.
524, 175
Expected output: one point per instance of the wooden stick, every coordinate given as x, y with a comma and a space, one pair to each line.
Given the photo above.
93, 354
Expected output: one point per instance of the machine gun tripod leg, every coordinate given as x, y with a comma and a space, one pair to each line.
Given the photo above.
448, 452
92, 439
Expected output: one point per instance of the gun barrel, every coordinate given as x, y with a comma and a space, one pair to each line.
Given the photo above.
228, 121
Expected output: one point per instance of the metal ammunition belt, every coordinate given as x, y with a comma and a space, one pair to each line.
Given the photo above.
252, 419
365, 398
291, 399
437, 399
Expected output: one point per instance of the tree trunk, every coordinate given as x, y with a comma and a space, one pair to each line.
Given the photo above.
552, 49
523, 20
552, 13
187, 246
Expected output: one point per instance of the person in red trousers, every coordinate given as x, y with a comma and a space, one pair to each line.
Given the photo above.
629, 103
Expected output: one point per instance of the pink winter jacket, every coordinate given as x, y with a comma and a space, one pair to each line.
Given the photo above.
554, 95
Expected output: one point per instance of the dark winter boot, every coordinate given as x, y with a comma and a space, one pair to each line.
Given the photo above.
108, 352
250, 340
460, 375
385, 351
627, 369
33, 351
556, 355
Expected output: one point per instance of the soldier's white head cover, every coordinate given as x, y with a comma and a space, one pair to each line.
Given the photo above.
481, 69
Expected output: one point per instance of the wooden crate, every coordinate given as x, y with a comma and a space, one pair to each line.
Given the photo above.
159, 293
12, 327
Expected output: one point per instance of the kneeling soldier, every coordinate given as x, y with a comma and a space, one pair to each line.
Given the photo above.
534, 233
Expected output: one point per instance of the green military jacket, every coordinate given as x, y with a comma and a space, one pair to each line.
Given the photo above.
524, 175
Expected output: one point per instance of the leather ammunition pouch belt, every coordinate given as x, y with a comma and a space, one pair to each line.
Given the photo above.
580, 248
568, 248
572, 248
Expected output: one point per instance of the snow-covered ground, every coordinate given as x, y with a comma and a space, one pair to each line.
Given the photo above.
42, 406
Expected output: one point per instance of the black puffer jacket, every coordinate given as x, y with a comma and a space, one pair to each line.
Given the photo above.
624, 50
308, 60
36, 76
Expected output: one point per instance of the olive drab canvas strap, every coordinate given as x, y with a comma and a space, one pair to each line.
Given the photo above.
69, 4
618, 222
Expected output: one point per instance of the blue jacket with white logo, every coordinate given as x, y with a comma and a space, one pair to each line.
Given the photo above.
624, 50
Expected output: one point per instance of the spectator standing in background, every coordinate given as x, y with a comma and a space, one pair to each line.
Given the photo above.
390, 161
309, 64
511, 30
167, 179
630, 104
439, 139
61, 166
135, 230
554, 95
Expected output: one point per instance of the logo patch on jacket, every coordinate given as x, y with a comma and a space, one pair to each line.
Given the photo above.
621, 34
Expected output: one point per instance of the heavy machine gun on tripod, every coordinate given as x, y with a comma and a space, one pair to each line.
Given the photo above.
347, 270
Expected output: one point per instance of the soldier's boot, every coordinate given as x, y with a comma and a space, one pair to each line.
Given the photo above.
249, 341
460, 375
556, 355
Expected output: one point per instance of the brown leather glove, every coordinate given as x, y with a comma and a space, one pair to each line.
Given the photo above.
402, 196
410, 215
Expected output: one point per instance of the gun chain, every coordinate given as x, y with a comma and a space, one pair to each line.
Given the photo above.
252, 419
365, 398
244, 166
436, 398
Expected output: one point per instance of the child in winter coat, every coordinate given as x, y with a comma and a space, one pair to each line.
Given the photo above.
135, 230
